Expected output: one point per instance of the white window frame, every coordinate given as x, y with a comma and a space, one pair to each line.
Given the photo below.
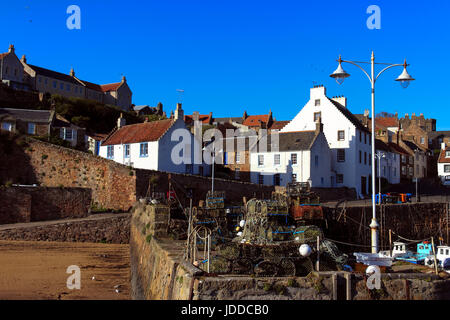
110, 152
294, 155
127, 149
275, 158
141, 154
260, 160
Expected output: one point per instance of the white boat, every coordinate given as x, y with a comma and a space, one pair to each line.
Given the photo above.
373, 259
442, 256
398, 250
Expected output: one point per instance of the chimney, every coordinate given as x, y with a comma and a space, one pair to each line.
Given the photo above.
210, 118
121, 121
443, 145
72, 72
195, 116
124, 79
341, 100
24, 59
11, 48
318, 92
179, 113
245, 116
319, 126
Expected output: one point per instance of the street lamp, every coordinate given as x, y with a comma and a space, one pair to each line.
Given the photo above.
213, 162
379, 156
340, 75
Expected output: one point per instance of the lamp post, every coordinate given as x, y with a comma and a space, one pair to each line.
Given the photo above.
379, 156
339, 74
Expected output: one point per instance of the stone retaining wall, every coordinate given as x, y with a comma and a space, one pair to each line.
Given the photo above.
27, 204
115, 229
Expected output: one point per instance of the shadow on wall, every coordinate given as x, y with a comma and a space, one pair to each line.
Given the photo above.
15, 164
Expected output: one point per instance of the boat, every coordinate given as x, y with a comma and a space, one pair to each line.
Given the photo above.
373, 259
399, 249
424, 249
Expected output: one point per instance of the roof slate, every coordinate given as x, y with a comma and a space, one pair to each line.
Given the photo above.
42, 116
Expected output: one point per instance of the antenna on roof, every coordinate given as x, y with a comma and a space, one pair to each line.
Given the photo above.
180, 95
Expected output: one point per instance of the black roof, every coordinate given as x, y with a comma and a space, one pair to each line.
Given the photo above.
55, 75
291, 141
350, 116
380, 145
42, 116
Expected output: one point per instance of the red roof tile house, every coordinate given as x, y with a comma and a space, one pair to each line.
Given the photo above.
164, 145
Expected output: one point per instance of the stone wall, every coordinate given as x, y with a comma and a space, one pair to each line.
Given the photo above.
27, 204
111, 229
158, 272
114, 186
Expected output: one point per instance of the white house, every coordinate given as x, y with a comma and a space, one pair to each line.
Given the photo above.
150, 145
348, 139
298, 157
444, 165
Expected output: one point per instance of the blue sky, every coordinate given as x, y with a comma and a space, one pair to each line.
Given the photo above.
230, 56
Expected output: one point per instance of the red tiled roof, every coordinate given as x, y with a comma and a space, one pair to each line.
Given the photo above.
141, 132
110, 87
442, 158
256, 120
102, 87
278, 125
2, 55
387, 122
204, 118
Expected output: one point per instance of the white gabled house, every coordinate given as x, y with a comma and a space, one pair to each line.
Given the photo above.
348, 139
150, 145
298, 157
444, 165
389, 166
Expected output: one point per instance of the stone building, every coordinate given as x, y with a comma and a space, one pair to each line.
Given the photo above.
21, 75
11, 70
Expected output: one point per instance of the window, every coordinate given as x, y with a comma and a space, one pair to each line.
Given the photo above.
45, 81
365, 157
447, 154
276, 179
127, 151
339, 178
317, 102
54, 84
237, 172
360, 136
276, 159
31, 128
365, 138
110, 152
316, 161
340, 155
260, 179
447, 168
68, 87
317, 115
144, 150
294, 177
7, 126
61, 86
293, 158
403, 158
411, 171
422, 140
238, 157
260, 160
404, 170
341, 135
40, 79
360, 156
66, 134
